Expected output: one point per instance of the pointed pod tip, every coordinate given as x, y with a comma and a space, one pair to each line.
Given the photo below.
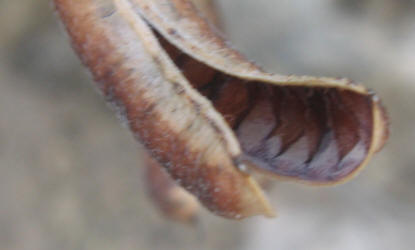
260, 204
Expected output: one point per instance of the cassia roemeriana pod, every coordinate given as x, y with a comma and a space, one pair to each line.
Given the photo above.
209, 116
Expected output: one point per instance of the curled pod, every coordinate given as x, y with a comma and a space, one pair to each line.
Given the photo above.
173, 201
206, 114
178, 127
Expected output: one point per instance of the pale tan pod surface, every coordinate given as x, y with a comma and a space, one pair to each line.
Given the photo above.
314, 130
179, 23
162, 110
173, 201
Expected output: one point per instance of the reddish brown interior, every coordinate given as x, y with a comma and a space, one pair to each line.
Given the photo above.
308, 133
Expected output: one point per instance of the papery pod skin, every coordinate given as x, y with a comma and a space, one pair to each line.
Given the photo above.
176, 125
173, 201
144, 53
350, 105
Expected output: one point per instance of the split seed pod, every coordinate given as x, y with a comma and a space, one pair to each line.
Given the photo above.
172, 200
207, 114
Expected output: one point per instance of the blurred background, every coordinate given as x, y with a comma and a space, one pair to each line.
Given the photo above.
70, 175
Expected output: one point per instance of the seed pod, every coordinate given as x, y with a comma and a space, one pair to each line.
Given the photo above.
173, 201
205, 113
179, 127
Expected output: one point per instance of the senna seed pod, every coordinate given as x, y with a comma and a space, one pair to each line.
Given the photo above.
315, 130
173, 201
179, 127
205, 128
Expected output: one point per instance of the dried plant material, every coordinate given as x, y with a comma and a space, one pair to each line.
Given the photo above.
174, 202
205, 113
313, 129
179, 127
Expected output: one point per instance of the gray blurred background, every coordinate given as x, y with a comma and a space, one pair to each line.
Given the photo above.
70, 175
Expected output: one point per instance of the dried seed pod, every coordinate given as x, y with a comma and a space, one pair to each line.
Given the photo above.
179, 127
173, 201
317, 130
205, 128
